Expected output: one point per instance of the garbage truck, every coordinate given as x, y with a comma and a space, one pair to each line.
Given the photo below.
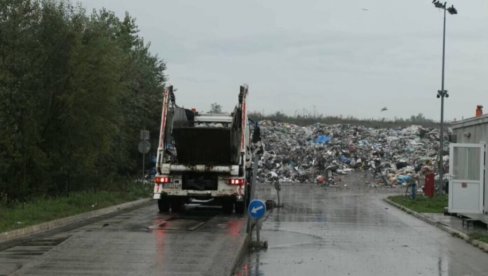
203, 157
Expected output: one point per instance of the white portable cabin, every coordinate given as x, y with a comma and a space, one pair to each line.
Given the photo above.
468, 191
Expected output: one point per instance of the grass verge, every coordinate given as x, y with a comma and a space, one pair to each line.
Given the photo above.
479, 236
422, 204
47, 209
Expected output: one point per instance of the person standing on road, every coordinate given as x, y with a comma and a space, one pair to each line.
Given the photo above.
412, 183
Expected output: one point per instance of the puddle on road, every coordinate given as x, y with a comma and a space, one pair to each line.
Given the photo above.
178, 223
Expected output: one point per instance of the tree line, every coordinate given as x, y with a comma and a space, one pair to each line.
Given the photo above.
308, 119
75, 90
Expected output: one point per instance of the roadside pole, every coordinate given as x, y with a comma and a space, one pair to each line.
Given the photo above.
253, 187
144, 147
277, 187
143, 165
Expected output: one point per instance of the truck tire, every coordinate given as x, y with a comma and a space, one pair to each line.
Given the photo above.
240, 207
177, 205
163, 205
247, 197
228, 206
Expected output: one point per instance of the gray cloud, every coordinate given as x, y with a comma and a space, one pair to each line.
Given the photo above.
331, 57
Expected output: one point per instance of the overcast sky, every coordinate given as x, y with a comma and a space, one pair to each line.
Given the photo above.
329, 57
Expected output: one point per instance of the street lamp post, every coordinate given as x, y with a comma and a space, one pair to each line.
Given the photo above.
443, 93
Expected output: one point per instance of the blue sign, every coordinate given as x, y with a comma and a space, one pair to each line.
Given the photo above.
257, 209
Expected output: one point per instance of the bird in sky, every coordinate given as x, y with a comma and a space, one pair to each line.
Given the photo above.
384, 109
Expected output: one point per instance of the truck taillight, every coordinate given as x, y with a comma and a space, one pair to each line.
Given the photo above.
162, 179
237, 181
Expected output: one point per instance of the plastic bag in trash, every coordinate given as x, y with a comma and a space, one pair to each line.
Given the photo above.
323, 139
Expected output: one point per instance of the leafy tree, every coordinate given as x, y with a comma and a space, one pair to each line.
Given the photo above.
19, 98
74, 91
419, 118
215, 108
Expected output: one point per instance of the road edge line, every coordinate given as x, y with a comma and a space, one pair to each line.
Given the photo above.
455, 233
62, 222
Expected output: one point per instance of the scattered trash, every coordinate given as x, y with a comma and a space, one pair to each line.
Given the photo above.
320, 153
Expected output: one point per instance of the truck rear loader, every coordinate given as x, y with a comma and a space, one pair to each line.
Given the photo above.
204, 157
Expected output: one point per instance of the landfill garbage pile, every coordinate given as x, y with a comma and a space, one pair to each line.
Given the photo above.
315, 153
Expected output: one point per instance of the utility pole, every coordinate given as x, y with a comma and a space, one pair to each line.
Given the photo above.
443, 93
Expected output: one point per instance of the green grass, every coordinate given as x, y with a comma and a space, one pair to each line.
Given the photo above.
46, 209
422, 204
479, 236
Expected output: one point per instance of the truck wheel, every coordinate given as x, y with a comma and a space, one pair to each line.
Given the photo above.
247, 198
240, 207
177, 206
163, 205
227, 206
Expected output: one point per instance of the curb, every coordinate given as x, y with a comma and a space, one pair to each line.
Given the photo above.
455, 233
58, 223
245, 247
240, 255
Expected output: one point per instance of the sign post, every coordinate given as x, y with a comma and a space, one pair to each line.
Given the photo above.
253, 186
277, 186
144, 147
256, 211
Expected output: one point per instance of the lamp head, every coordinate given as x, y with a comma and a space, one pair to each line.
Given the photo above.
452, 10
438, 4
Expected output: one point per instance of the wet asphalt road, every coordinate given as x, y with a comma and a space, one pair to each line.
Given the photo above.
200, 241
351, 231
